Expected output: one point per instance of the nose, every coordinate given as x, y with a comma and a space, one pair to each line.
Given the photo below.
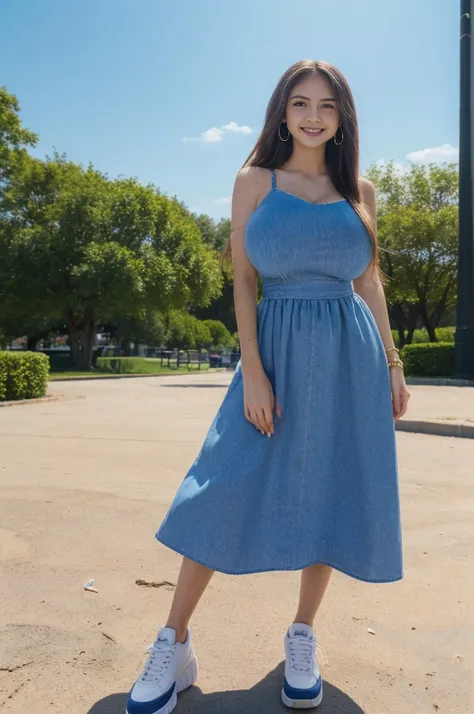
313, 116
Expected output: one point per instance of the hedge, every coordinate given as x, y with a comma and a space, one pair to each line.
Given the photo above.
435, 359
123, 365
136, 365
443, 334
23, 375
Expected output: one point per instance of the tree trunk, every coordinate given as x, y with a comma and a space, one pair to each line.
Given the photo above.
440, 308
427, 322
125, 348
73, 339
74, 347
31, 343
88, 333
413, 313
397, 316
81, 339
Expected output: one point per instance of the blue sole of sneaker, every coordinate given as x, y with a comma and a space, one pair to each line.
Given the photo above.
302, 703
185, 680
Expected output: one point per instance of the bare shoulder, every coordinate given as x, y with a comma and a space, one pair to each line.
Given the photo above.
249, 188
367, 193
252, 182
367, 188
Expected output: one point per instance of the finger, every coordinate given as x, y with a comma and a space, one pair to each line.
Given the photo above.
404, 405
278, 410
268, 417
262, 421
255, 420
396, 403
250, 416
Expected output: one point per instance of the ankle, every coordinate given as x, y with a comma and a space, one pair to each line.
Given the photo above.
303, 621
181, 634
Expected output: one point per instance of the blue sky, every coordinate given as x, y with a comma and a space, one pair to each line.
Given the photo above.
121, 83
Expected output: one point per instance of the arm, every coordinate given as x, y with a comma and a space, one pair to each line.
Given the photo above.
258, 394
369, 287
244, 201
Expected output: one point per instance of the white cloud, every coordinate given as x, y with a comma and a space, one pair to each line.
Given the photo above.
233, 126
224, 201
432, 155
436, 154
214, 135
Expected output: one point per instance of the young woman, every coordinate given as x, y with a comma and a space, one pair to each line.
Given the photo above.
298, 470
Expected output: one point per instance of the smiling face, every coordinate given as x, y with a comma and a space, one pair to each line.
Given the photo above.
312, 115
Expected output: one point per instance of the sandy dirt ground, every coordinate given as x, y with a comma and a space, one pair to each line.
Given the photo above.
84, 482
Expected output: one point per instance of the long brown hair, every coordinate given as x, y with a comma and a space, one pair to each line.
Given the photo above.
342, 161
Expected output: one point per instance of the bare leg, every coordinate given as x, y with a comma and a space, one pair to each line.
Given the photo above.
193, 579
314, 581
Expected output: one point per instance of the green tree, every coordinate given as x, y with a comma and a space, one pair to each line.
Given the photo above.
14, 143
186, 332
91, 249
417, 230
14, 139
222, 308
220, 335
147, 327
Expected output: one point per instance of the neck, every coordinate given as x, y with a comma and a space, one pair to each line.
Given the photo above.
311, 162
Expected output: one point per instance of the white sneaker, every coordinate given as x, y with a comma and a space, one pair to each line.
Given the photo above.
302, 686
170, 668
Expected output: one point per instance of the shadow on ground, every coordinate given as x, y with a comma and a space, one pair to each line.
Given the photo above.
263, 698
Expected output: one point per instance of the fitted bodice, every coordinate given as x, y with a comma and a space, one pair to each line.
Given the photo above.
290, 240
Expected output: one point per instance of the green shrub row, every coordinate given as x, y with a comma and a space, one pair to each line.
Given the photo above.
443, 334
435, 359
126, 365
136, 365
23, 375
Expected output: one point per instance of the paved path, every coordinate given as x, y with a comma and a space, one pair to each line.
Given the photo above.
86, 479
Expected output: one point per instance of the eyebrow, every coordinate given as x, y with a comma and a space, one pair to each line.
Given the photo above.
300, 96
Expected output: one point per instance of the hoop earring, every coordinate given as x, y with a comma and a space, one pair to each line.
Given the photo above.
279, 132
338, 143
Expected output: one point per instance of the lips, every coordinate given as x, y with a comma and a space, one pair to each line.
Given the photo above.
311, 132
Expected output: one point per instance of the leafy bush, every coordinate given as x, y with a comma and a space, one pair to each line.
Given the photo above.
420, 337
446, 334
127, 365
220, 335
23, 375
443, 334
435, 359
135, 365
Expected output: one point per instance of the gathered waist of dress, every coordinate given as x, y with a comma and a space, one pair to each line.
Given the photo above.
312, 289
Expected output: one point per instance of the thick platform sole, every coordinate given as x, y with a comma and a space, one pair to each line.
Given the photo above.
302, 703
185, 680
188, 677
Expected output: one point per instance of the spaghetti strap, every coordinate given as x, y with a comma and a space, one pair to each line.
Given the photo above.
274, 179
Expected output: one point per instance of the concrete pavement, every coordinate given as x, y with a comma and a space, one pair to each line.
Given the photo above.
86, 479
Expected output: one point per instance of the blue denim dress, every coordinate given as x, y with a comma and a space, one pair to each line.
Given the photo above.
324, 487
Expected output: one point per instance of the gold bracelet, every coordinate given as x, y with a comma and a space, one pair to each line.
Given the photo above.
396, 363
392, 349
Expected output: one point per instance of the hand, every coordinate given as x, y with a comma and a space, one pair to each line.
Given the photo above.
400, 393
259, 402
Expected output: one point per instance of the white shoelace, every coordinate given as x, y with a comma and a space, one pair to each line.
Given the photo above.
302, 652
158, 661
